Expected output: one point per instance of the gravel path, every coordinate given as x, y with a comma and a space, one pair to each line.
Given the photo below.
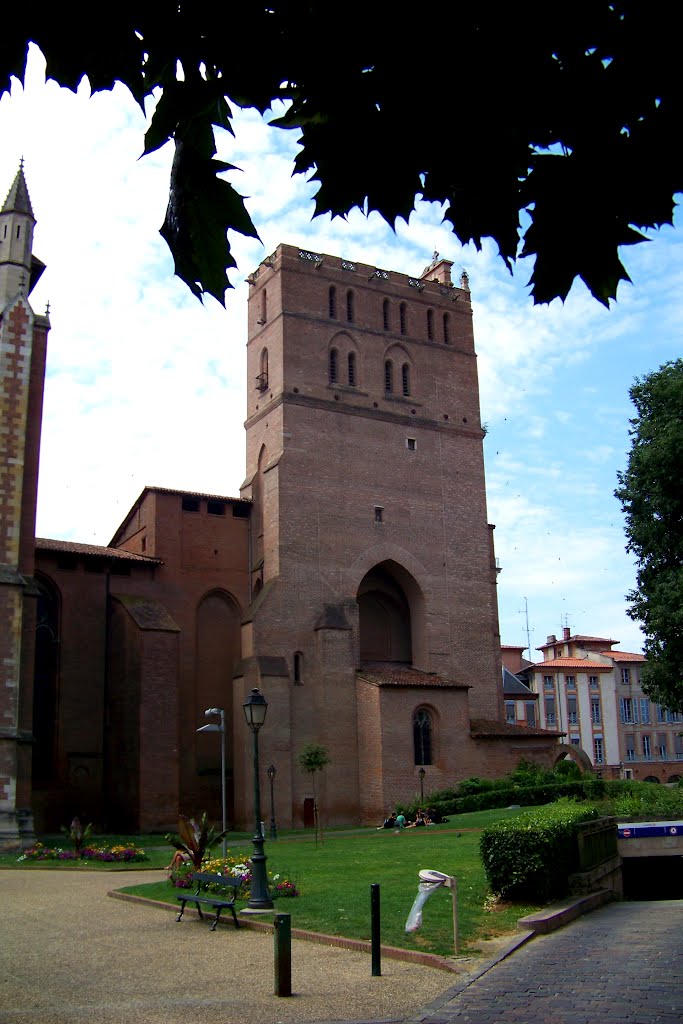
71, 954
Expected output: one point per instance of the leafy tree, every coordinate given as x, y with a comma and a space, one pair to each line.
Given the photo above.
312, 759
564, 143
651, 495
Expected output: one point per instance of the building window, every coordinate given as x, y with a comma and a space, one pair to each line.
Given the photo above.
678, 746
352, 369
660, 713
625, 676
630, 748
334, 365
405, 379
572, 711
262, 378
403, 317
598, 750
628, 710
596, 716
530, 711
379, 514
593, 682
446, 329
422, 737
332, 302
575, 740
190, 504
548, 683
550, 716
661, 744
570, 682
647, 748
298, 668
386, 317
510, 715
430, 324
644, 710
264, 307
215, 508
388, 376
350, 316
411, 444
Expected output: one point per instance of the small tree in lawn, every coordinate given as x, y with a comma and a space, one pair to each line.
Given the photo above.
312, 759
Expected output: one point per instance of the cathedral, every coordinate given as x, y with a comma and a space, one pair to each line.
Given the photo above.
353, 580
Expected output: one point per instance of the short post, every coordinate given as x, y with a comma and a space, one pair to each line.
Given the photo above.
375, 931
454, 891
282, 934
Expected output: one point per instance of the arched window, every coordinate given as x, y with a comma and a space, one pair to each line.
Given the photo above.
298, 668
352, 369
386, 318
430, 324
446, 329
264, 307
403, 317
334, 365
262, 379
332, 298
422, 736
405, 379
349, 307
388, 376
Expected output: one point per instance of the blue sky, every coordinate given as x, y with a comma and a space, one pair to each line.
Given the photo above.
147, 386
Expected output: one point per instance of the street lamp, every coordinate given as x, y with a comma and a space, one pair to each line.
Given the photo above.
213, 727
255, 707
422, 774
271, 772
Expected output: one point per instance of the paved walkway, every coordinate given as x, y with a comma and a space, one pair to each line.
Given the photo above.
622, 964
71, 955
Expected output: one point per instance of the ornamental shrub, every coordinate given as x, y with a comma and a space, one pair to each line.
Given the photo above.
532, 855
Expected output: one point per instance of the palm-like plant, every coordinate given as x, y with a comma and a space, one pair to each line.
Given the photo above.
77, 834
195, 838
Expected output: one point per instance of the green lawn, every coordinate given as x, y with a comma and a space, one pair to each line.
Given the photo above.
335, 881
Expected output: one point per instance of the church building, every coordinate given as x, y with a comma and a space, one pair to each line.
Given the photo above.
353, 581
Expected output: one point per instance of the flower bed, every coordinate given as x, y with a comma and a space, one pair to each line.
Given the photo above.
110, 854
180, 877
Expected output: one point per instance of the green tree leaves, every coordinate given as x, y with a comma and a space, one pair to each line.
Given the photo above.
651, 495
552, 131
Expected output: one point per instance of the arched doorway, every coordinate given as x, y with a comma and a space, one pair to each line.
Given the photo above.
385, 616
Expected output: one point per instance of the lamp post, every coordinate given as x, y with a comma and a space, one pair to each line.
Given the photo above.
213, 727
271, 772
422, 774
255, 707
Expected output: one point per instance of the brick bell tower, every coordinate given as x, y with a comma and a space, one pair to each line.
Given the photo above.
23, 346
373, 628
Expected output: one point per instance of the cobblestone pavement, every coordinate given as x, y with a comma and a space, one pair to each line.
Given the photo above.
622, 964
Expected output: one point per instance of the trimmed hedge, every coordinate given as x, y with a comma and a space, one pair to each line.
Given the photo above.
532, 855
449, 801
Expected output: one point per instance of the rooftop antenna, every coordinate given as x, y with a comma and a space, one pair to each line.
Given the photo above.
528, 631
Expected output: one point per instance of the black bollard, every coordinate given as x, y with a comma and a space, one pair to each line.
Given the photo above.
282, 934
375, 931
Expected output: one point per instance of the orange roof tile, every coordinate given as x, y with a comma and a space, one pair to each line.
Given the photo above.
582, 664
484, 728
389, 674
624, 656
74, 548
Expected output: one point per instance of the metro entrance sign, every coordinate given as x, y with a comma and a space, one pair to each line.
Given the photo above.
649, 829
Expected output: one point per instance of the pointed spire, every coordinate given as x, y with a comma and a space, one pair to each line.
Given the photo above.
18, 199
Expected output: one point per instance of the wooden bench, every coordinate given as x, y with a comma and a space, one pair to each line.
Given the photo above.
200, 897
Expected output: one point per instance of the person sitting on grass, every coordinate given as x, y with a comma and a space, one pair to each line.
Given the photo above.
400, 823
389, 821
